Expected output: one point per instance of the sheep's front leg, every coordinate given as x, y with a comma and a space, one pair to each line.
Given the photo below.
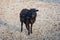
28, 30
26, 26
21, 26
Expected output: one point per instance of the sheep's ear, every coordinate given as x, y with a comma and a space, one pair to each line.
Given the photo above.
37, 10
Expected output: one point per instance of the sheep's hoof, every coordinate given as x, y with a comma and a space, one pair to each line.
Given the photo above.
28, 33
21, 30
31, 32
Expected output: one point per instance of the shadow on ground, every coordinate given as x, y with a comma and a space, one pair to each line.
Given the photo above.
9, 26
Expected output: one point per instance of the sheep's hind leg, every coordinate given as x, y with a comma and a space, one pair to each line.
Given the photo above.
31, 28
21, 26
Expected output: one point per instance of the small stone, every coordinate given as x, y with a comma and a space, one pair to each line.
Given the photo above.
2, 32
58, 23
5, 23
43, 38
55, 24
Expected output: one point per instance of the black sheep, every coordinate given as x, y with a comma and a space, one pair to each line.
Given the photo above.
28, 17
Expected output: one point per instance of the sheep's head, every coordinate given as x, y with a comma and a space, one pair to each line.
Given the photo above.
34, 10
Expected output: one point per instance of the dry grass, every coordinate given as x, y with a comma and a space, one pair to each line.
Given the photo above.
46, 27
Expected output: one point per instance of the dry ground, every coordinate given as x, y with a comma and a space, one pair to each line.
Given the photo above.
46, 27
